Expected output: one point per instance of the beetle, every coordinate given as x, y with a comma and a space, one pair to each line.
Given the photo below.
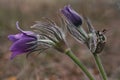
101, 41
97, 39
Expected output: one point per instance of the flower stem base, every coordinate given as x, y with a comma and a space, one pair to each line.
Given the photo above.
100, 66
76, 60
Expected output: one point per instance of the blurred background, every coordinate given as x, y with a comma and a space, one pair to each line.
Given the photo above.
52, 65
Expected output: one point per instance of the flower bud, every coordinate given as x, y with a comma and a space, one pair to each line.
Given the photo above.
72, 16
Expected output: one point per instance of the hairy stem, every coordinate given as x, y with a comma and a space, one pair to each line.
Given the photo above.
76, 60
100, 66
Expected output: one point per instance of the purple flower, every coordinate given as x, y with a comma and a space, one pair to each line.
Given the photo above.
72, 16
23, 42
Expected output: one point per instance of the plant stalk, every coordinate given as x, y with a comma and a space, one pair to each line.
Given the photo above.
100, 66
76, 60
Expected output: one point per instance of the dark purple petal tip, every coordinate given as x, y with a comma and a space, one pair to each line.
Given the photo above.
72, 16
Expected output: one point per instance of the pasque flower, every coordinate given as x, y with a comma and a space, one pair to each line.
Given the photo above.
23, 42
72, 15
50, 35
94, 40
46, 35
74, 21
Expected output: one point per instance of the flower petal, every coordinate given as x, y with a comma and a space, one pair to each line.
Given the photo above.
14, 54
21, 46
27, 33
72, 15
16, 37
